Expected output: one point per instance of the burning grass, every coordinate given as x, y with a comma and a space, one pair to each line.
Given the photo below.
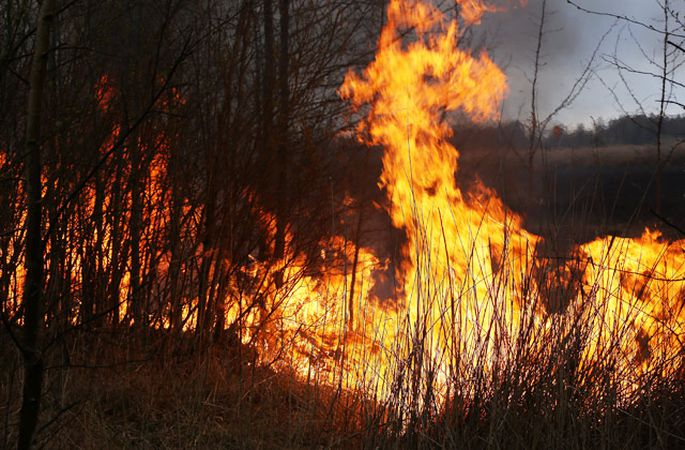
487, 339
543, 385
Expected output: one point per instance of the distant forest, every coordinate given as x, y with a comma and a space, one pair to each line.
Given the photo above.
626, 130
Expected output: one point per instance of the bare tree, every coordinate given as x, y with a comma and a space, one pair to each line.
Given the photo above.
33, 296
671, 53
283, 122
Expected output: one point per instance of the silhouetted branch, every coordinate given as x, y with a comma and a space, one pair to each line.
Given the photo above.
667, 222
622, 18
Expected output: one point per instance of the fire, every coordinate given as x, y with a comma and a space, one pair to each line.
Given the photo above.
459, 246
303, 322
471, 284
473, 10
469, 265
638, 284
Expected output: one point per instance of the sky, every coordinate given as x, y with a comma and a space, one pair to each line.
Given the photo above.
570, 40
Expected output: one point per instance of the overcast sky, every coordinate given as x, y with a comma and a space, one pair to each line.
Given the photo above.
571, 37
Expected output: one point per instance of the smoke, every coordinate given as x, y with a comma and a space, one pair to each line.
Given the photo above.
569, 40
515, 32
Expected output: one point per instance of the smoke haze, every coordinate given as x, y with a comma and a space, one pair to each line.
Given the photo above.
570, 38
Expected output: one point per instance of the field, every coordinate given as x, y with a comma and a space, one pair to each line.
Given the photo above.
586, 192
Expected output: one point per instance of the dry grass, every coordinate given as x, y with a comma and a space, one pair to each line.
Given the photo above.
535, 397
184, 401
541, 391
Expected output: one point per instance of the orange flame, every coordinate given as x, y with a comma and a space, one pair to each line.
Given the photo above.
456, 242
467, 257
467, 280
472, 11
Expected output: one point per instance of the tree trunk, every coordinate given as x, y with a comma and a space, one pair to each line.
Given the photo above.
118, 261
98, 256
267, 125
662, 111
135, 225
175, 306
268, 85
534, 137
32, 297
283, 120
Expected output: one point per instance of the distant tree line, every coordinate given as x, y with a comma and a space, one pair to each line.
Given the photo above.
625, 130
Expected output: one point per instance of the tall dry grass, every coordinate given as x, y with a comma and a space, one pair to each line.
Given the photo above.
533, 379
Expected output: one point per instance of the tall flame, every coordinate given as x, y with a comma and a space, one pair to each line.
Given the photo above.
469, 270
456, 243
471, 283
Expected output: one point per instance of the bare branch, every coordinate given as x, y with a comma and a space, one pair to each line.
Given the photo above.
622, 18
